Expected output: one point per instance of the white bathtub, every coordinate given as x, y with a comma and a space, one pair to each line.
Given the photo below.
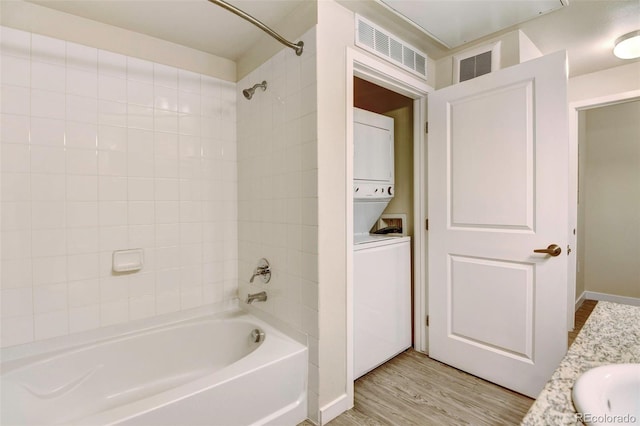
201, 371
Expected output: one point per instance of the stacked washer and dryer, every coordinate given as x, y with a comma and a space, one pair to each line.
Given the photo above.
382, 265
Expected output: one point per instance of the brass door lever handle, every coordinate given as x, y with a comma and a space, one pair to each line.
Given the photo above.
553, 250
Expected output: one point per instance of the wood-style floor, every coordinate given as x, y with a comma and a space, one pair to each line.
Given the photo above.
581, 317
413, 389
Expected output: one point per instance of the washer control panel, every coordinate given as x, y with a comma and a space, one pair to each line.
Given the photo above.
372, 190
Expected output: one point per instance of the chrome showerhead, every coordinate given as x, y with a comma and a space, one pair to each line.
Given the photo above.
248, 93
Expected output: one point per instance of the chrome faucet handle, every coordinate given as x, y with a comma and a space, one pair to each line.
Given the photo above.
262, 270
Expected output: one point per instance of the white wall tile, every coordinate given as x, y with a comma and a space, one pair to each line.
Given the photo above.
84, 318
48, 214
111, 138
15, 100
112, 88
82, 188
112, 188
82, 214
140, 189
15, 158
81, 161
49, 270
113, 213
15, 71
140, 93
47, 76
47, 104
165, 98
82, 83
83, 266
16, 273
113, 238
16, 330
140, 164
142, 236
47, 49
82, 240
114, 312
14, 129
51, 324
82, 108
139, 70
188, 81
81, 135
15, 42
45, 131
84, 293
139, 117
112, 113
113, 64
50, 298
16, 244
46, 159
92, 162
82, 57
16, 302
165, 76
46, 187
165, 121
48, 242
112, 163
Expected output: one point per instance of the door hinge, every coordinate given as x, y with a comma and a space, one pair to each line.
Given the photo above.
426, 127
426, 224
427, 322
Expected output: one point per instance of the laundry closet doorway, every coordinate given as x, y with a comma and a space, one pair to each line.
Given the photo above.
385, 76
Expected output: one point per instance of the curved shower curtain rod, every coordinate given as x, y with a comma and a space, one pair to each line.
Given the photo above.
298, 47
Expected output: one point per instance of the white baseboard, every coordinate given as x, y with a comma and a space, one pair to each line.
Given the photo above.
333, 409
580, 300
625, 300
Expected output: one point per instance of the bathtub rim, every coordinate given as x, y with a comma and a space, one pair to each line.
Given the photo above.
15, 357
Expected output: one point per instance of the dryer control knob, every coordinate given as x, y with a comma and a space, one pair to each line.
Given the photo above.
390, 190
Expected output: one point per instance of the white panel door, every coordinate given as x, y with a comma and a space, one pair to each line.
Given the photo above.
498, 190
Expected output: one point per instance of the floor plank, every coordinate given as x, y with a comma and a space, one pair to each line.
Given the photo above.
413, 389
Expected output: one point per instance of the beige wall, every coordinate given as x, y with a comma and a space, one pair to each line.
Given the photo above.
515, 48
42, 20
292, 27
402, 201
603, 83
611, 197
335, 31
582, 123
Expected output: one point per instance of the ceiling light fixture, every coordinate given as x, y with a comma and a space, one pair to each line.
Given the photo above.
628, 46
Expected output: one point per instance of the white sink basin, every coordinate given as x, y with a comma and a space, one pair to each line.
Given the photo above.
609, 394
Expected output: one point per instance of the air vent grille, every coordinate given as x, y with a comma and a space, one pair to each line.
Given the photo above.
378, 41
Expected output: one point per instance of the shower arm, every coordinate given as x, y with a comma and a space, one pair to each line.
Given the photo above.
298, 47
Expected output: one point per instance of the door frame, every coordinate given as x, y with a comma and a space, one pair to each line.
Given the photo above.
574, 110
382, 73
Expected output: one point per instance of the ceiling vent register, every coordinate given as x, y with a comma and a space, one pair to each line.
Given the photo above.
381, 43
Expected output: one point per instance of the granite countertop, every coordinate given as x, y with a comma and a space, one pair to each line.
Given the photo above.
611, 335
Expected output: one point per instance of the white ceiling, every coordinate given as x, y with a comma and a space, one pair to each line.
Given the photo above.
455, 23
586, 28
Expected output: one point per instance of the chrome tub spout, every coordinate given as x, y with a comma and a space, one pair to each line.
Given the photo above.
260, 297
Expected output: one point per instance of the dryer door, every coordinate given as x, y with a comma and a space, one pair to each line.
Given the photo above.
373, 147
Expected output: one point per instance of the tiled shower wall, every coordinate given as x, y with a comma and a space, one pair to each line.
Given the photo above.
103, 152
277, 193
